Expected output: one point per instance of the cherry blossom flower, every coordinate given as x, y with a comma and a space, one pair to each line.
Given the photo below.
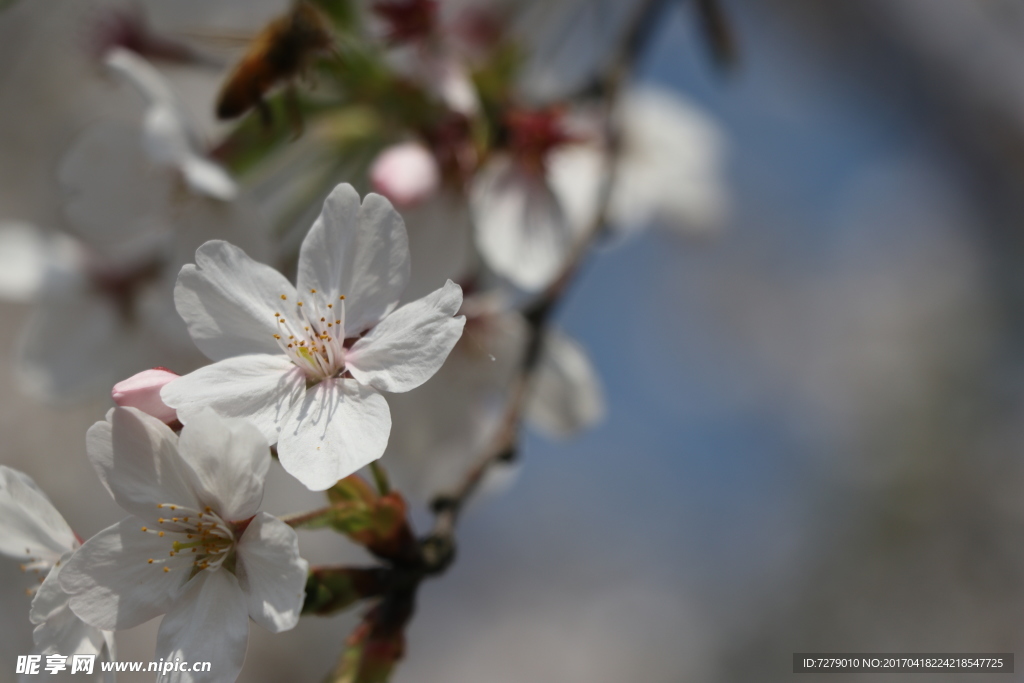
102, 293
442, 428
670, 167
168, 136
98, 315
195, 546
532, 202
34, 532
305, 363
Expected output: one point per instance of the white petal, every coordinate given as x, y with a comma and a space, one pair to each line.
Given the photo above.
340, 427
208, 623
31, 526
206, 177
23, 261
271, 573
566, 396
165, 137
455, 85
521, 230
65, 634
136, 458
260, 389
167, 134
358, 251
111, 582
229, 459
576, 174
50, 598
408, 347
672, 165
141, 74
58, 630
228, 301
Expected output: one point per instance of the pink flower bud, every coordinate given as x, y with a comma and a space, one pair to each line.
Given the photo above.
142, 391
406, 174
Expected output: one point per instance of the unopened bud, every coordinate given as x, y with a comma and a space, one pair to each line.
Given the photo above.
142, 391
406, 174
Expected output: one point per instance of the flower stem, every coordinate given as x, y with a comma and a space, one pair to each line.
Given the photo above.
311, 518
380, 478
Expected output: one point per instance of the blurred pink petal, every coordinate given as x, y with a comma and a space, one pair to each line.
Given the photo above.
406, 174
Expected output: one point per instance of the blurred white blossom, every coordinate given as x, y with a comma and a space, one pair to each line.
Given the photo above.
442, 428
670, 167
168, 136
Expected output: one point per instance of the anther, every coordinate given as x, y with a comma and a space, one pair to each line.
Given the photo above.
284, 298
167, 569
312, 291
150, 560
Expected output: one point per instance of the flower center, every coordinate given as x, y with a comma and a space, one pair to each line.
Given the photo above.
314, 337
199, 539
534, 134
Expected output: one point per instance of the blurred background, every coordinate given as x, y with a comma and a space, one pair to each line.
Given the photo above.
815, 416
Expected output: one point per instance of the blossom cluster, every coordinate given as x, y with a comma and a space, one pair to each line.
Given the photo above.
236, 325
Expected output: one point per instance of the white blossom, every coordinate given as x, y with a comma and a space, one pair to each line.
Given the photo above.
305, 363
442, 429
530, 214
33, 531
168, 136
97, 316
195, 547
102, 293
670, 167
